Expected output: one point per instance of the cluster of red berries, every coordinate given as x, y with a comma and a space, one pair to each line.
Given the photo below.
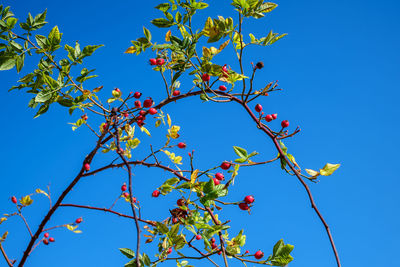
46, 239
157, 61
246, 204
218, 178
147, 103
271, 117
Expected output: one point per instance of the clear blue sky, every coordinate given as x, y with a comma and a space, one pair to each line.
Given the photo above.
339, 67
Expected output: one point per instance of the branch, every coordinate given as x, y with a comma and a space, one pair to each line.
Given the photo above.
5, 256
219, 234
109, 211
88, 159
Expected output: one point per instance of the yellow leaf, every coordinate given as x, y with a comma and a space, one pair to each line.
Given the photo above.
71, 227
223, 45
131, 50
26, 200
168, 36
214, 50
206, 52
145, 130
193, 177
77, 231
313, 173
3, 220
39, 191
173, 132
178, 160
328, 169
169, 120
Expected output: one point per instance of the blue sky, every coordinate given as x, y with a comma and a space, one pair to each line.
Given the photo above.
339, 68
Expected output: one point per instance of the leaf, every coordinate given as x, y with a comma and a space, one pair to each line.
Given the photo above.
193, 176
6, 62
313, 173
328, 169
209, 186
39, 191
55, 36
162, 228
43, 96
241, 152
162, 23
26, 200
127, 252
89, 50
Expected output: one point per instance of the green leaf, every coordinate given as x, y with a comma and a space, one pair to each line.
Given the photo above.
162, 23
328, 169
6, 62
43, 96
147, 33
55, 36
127, 252
41, 41
163, 7
43, 109
162, 228
89, 50
209, 186
241, 152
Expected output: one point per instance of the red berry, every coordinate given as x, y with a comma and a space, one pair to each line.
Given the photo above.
79, 220
222, 87
216, 181
126, 194
198, 237
285, 124
105, 125
274, 116
126, 114
205, 77
123, 187
243, 206
160, 61
46, 235
137, 95
180, 202
87, 167
142, 112
153, 61
117, 90
214, 246
84, 117
14, 200
174, 220
51, 239
155, 193
181, 145
246, 252
148, 102
169, 251
220, 252
249, 199
45, 241
268, 118
224, 68
212, 240
225, 165
258, 255
176, 93
219, 176
138, 104
258, 108
152, 111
